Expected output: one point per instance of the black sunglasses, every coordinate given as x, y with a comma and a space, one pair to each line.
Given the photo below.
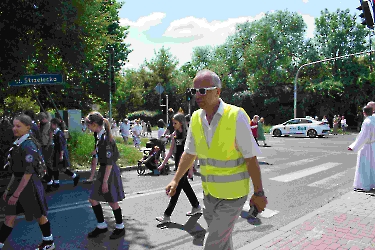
201, 91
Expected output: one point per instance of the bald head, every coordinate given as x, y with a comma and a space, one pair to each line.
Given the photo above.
210, 76
372, 105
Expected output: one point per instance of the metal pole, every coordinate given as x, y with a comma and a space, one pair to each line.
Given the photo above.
53, 103
324, 60
110, 83
37, 99
166, 103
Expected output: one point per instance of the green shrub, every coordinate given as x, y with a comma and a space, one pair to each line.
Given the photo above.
81, 145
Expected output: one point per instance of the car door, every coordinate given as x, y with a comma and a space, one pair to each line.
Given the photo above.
303, 126
290, 126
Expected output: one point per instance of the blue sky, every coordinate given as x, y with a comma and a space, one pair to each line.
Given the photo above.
183, 25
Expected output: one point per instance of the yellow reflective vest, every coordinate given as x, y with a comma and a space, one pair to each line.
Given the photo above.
223, 168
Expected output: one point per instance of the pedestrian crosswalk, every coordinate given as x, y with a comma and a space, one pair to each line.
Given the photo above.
305, 172
321, 171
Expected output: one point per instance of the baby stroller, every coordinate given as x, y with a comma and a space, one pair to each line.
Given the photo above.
151, 157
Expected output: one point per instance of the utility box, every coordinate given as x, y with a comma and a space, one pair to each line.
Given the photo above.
72, 119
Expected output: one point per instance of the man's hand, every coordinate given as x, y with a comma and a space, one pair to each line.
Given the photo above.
259, 201
171, 188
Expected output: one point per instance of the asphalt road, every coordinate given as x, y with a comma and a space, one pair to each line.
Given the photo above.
299, 175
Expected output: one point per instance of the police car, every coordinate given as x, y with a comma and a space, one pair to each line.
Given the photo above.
301, 126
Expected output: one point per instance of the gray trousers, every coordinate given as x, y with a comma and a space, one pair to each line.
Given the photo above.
221, 215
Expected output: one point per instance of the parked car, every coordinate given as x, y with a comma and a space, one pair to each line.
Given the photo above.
301, 127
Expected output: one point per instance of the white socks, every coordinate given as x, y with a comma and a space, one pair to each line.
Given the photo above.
74, 175
102, 225
48, 238
120, 226
50, 182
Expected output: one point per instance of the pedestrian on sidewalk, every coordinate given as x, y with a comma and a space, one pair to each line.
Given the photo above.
125, 130
61, 161
25, 193
335, 125
254, 127
137, 131
364, 178
343, 125
178, 141
46, 134
108, 184
161, 129
149, 128
144, 128
261, 136
220, 135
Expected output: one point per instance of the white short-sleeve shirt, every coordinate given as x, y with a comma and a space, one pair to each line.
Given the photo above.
125, 129
244, 137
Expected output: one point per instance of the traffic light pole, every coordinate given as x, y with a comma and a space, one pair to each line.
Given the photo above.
324, 60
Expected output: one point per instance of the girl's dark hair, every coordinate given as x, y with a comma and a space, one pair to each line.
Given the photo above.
26, 120
96, 117
30, 113
181, 119
58, 122
161, 123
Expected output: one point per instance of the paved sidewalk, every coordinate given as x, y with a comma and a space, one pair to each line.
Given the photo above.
345, 223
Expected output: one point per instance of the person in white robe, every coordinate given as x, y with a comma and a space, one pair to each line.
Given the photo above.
364, 178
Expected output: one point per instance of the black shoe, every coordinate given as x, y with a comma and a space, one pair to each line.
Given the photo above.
56, 185
96, 232
46, 245
117, 233
76, 180
49, 188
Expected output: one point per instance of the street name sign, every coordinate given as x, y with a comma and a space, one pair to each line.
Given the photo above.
41, 79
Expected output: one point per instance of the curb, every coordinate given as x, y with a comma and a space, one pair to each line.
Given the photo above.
269, 237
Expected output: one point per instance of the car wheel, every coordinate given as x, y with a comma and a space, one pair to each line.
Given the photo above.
312, 133
277, 132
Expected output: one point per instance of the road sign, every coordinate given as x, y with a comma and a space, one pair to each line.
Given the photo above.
41, 79
159, 89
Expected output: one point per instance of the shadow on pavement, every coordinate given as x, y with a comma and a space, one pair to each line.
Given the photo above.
191, 226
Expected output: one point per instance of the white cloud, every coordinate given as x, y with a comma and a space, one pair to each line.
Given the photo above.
305, 1
144, 23
183, 35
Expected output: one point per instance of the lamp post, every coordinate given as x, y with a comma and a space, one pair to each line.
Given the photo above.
110, 65
324, 60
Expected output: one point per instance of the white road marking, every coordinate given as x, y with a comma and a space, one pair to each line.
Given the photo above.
83, 204
306, 172
330, 182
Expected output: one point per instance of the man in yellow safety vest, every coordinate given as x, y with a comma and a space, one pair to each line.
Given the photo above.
220, 136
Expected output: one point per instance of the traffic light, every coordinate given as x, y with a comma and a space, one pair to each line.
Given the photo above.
164, 105
188, 95
367, 14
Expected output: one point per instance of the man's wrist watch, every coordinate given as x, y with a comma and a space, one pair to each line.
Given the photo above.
259, 193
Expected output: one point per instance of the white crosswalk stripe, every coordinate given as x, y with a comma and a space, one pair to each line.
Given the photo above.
331, 181
305, 172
